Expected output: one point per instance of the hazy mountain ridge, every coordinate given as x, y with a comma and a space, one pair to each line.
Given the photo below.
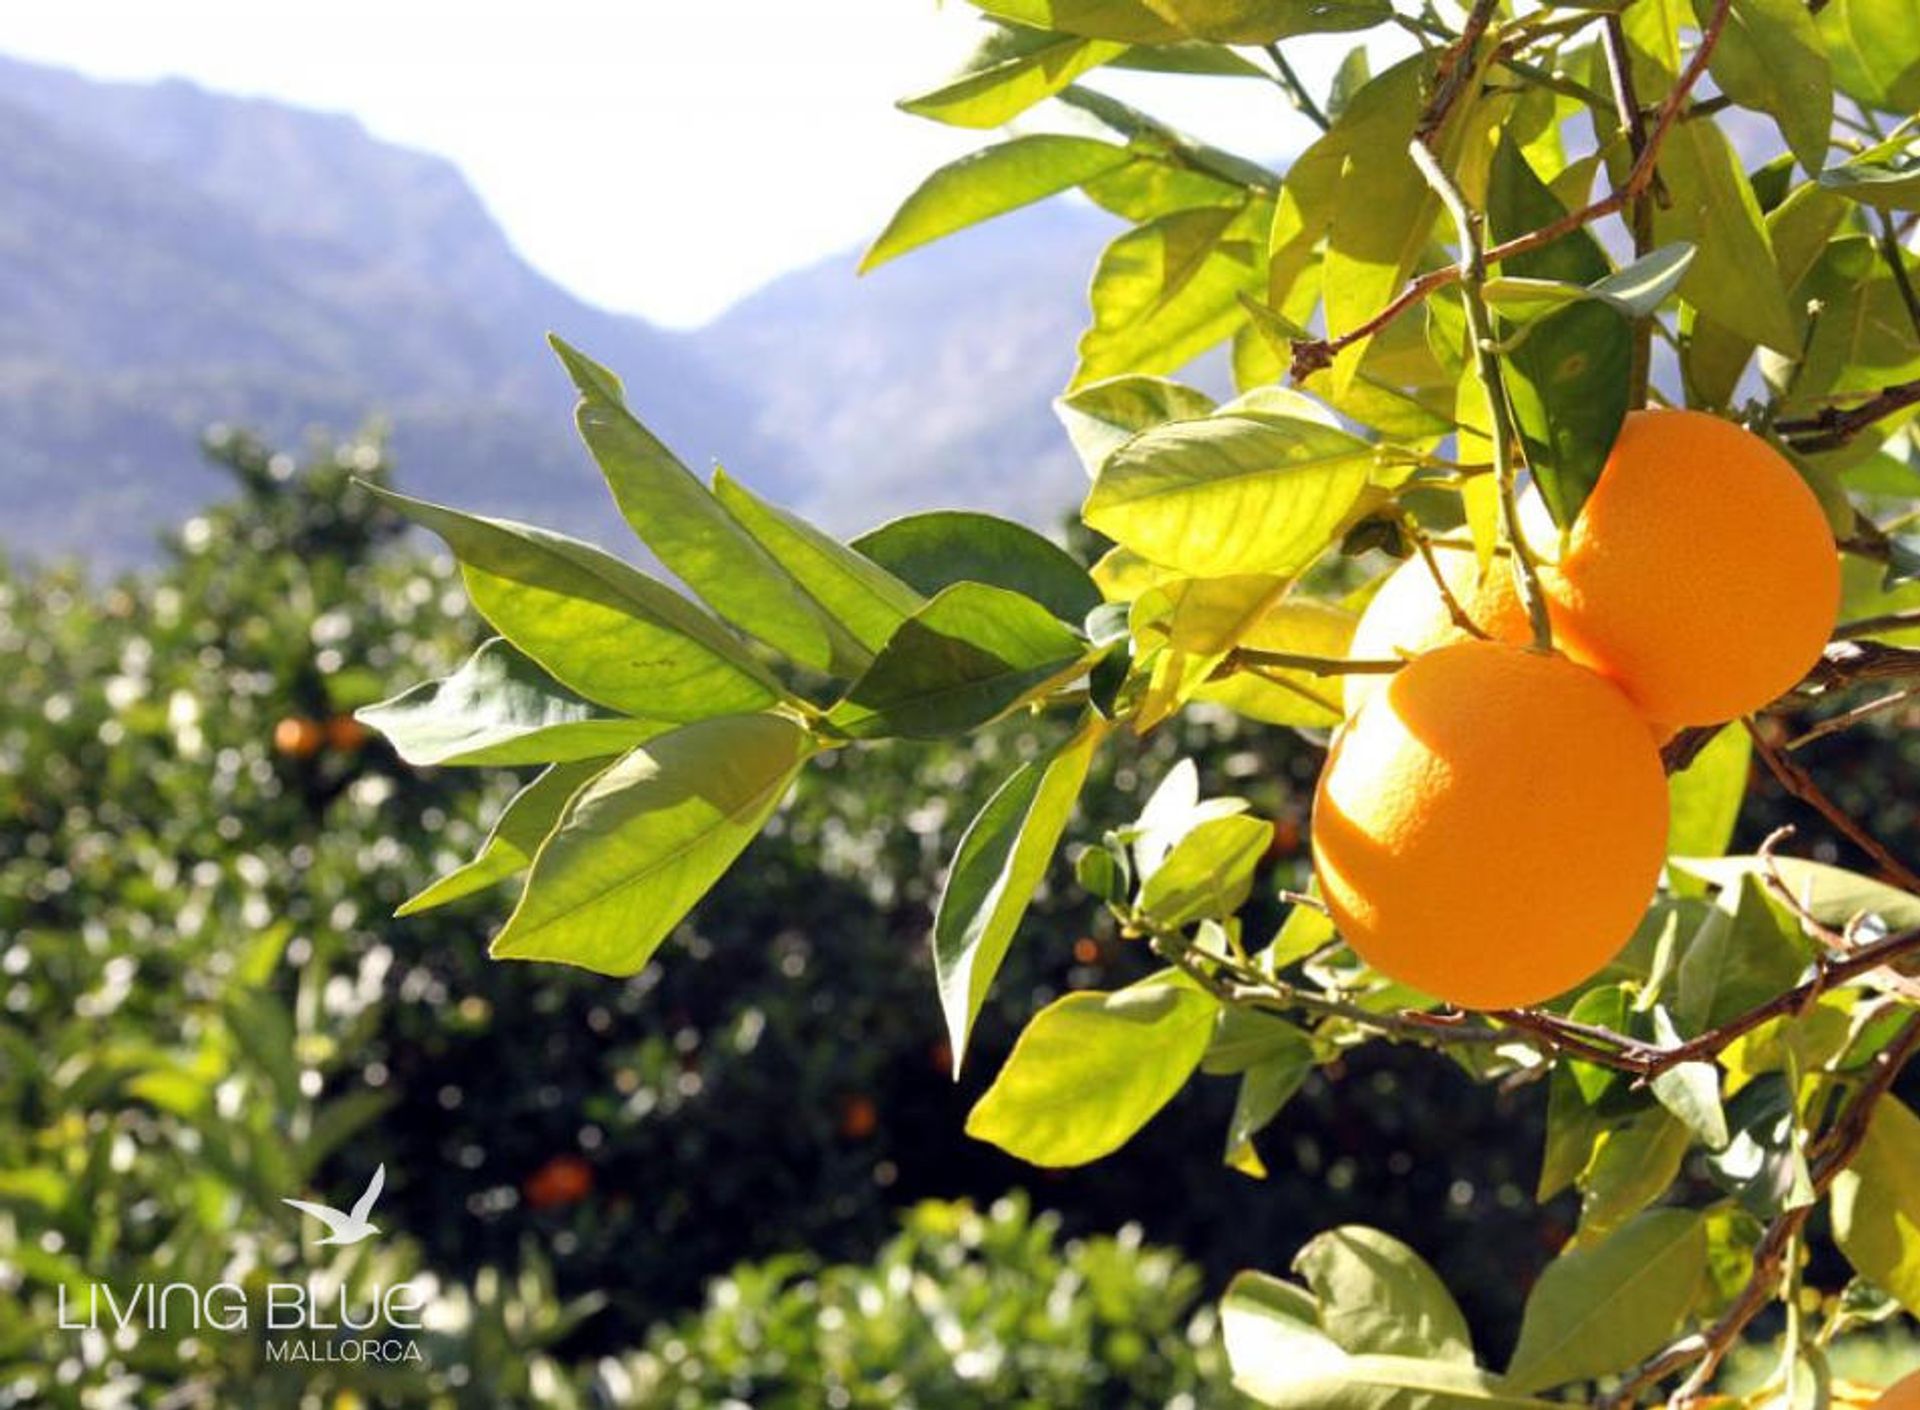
170, 257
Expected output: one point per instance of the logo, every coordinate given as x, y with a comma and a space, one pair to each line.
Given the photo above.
347, 1228
319, 1320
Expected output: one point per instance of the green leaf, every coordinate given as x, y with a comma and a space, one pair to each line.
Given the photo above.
647, 838
698, 541
1648, 282
1002, 858
1092, 1068
992, 182
1103, 416
1383, 210
1733, 279
1573, 1128
1833, 896
1273, 1337
1127, 20
1376, 1295
970, 655
1568, 379
1630, 1168
1763, 1164
1305, 626
1246, 1038
1864, 336
935, 550
602, 628
1886, 177
1875, 49
500, 708
1771, 59
1209, 872
530, 816
1703, 799
1011, 71
1876, 1204
1600, 1309
1690, 1090
1746, 951
1265, 1088
1231, 494
864, 601
1263, 21
1166, 291
1170, 144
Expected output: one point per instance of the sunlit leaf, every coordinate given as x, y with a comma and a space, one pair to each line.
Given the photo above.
1876, 1204
1875, 48
935, 550
1376, 1295
1002, 858
1209, 872
992, 182
1771, 58
647, 838
1011, 71
1102, 416
530, 816
1600, 1309
600, 627
1091, 1069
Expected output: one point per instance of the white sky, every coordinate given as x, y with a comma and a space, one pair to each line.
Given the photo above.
660, 157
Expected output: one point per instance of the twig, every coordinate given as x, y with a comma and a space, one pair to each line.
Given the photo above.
1832, 1153
1896, 258
1243, 657
1311, 355
1846, 663
1473, 275
1850, 718
1424, 547
1886, 621
1295, 89
1633, 122
1802, 785
1830, 427
1455, 68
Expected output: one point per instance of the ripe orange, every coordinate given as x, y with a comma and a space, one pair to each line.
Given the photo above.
1701, 575
298, 737
1490, 825
1408, 615
345, 734
1901, 1395
564, 1179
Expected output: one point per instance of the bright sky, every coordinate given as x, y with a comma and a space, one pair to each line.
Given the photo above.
660, 157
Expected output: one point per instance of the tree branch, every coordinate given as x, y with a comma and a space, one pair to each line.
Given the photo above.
1831, 1154
1290, 82
1831, 428
1311, 355
1802, 785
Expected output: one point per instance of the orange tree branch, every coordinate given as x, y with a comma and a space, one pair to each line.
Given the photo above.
1310, 355
1802, 785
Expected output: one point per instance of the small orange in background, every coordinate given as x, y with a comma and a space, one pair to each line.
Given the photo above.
859, 1118
1489, 828
345, 734
297, 737
565, 1179
1901, 1395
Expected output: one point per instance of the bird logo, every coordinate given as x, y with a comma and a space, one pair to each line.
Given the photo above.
353, 1226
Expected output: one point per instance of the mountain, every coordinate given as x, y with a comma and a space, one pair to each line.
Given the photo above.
171, 257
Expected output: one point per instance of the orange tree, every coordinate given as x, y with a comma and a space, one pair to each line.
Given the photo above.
1532, 232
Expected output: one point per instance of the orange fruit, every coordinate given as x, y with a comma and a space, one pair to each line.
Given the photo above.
298, 737
1700, 576
1901, 1395
1490, 825
565, 1179
1408, 615
345, 734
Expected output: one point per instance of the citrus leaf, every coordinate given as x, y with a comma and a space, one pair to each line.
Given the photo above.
1092, 1068
935, 550
1263, 21
1002, 858
1231, 494
599, 626
1011, 71
1886, 177
991, 182
641, 843
1771, 59
866, 603
1875, 49
1599, 1309
1703, 799
1265, 1088
967, 657
1876, 1204
1166, 291
500, 708
1376, 1295
684, 525
1102, 416
1208, 873
530, 815
1128, 20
